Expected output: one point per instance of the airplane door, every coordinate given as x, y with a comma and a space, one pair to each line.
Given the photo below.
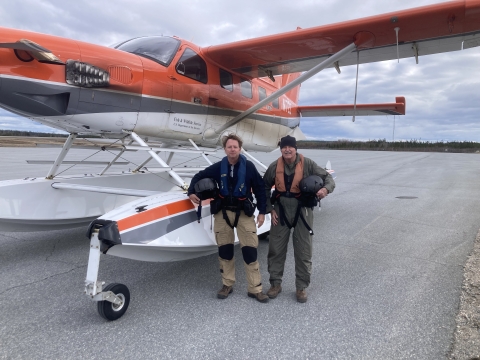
156, 102
190, 93
221, 99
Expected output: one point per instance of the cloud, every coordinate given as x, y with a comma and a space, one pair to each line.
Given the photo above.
442, 91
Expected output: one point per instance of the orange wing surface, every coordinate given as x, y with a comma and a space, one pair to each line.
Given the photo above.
421, 31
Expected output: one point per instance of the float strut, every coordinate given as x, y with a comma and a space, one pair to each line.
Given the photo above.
66, 147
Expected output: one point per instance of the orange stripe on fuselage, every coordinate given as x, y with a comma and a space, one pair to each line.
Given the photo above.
155, 214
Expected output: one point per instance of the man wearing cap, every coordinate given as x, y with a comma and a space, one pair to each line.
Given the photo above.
286, 174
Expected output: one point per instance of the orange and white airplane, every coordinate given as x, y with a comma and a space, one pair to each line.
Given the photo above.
184, 98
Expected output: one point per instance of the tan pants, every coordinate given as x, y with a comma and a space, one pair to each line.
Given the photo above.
247, 235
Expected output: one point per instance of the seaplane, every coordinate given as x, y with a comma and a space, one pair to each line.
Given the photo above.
162, 95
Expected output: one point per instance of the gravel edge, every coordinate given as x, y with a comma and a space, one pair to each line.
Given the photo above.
466, 342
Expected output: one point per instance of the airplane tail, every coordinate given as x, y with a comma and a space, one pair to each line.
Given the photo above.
288, 78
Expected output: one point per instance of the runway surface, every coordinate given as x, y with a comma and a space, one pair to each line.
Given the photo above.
389, 248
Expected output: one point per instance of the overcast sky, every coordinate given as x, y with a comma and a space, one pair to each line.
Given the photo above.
442, 92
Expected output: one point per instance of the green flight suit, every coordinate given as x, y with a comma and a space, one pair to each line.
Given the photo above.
280, 235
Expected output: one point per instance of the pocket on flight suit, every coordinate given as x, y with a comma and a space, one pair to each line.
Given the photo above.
223, 232
247, 231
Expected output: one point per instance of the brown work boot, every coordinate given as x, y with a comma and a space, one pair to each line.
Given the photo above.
301, 296
224, 292
274, 291
259, 296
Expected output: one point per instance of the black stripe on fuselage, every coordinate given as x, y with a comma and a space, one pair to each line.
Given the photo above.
29, 97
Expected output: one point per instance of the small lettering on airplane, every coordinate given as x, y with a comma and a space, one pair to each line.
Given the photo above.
287, 105
191, 126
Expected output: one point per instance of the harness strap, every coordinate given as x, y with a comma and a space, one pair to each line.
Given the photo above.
227, 220
298, 214
199, 211
306, 224
237, 213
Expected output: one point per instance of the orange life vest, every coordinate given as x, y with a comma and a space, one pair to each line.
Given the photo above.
280, 176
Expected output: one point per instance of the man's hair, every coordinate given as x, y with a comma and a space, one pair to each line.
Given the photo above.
232, 137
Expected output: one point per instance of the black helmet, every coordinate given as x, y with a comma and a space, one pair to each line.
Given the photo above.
311, 184
206, 189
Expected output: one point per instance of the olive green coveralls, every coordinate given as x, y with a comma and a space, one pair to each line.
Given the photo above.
280, 234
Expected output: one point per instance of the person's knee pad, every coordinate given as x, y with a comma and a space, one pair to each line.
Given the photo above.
226, 252
249, 254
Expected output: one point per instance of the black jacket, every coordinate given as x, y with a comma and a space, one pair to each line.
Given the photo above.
253, 181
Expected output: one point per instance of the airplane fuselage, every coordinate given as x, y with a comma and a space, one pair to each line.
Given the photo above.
175, 95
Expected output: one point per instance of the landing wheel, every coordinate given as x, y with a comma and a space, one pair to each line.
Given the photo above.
264, 236
111, 311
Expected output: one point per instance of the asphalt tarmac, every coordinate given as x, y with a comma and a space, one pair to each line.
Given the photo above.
389, 248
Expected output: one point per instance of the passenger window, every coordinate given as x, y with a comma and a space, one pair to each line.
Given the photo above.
275, 103
226, 80
191, 65
262, 93
246, 88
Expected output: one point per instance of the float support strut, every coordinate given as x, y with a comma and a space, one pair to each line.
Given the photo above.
154, 155
66, 147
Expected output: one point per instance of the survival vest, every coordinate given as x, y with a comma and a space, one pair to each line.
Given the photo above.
234, 197
282, 180
239, 191
289, 186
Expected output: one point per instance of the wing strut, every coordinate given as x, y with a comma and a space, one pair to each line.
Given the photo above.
212, 134
356, 86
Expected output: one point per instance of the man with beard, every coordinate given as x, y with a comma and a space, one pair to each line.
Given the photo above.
288, 211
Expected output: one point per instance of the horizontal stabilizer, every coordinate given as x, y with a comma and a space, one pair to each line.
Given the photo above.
396, 108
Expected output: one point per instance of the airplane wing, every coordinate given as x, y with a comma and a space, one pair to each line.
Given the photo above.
432, 29
396, 108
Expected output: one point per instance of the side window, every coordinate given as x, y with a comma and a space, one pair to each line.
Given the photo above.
262, 93
275, 103
246, 88
191, 65
226, 80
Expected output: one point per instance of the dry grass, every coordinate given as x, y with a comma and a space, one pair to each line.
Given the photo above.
466, 343
31, 141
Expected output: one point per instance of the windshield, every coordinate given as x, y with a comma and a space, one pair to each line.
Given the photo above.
157, 48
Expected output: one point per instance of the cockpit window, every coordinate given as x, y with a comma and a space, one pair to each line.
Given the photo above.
157, 48
193, 66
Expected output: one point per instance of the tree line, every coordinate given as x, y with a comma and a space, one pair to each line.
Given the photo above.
342, 144
29, 133
409, 145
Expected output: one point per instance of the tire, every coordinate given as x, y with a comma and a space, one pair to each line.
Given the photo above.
110, 311
264, 236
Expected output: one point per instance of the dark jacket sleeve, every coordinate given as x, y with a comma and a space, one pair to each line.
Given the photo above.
258, 187
213, 171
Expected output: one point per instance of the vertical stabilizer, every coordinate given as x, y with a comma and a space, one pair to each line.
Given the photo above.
292, 94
